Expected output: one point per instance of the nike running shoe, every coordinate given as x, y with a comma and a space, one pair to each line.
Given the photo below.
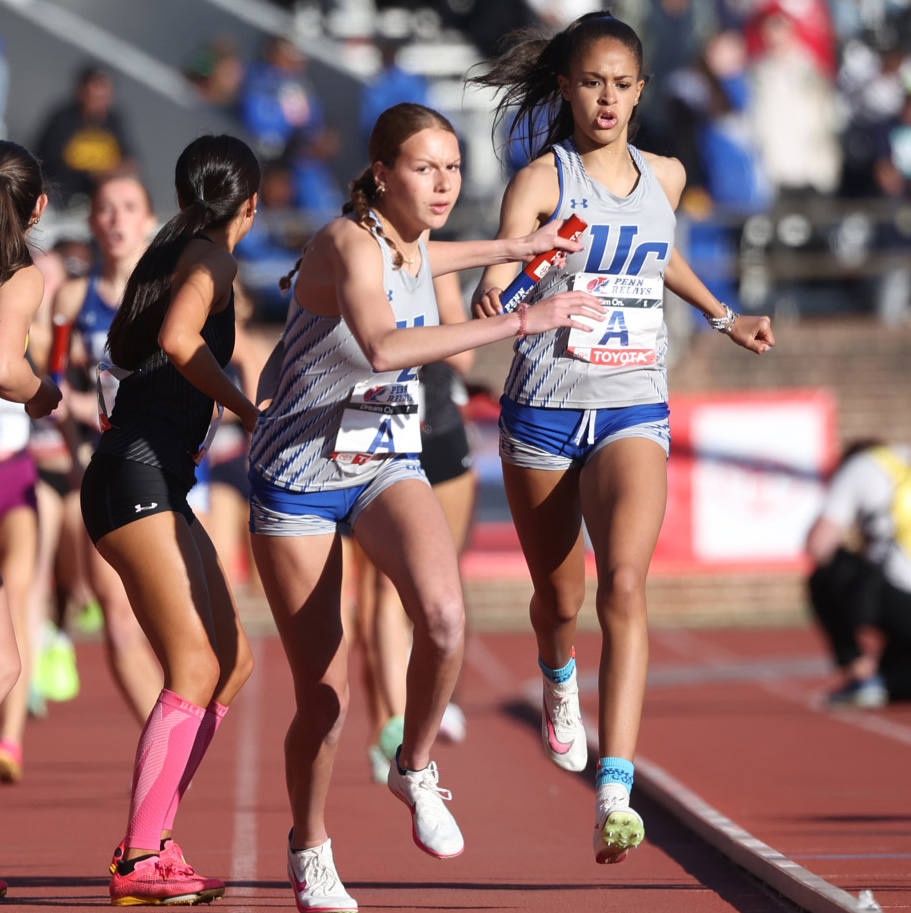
162, 880
562, 730
317, 887
618, 828
10, 761
434, 829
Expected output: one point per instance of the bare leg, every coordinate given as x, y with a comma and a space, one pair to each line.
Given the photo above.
624, 490
182, 612
302, 577
18, 557
136, 671
404, 533
548, 518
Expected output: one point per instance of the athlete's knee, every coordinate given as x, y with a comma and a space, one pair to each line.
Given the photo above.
560, 604
442, 622
244, 664
322, 708
621, 594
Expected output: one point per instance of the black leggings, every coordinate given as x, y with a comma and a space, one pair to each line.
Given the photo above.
849, 592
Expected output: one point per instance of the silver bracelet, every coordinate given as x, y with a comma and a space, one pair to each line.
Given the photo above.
723, 324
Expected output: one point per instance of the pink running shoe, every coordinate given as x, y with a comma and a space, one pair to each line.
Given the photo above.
170, 848
163, 880
10, 761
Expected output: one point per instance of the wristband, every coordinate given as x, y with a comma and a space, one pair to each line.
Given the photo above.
723, 324
522, 311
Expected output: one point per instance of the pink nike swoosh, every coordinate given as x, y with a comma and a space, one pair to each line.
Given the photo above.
552, 740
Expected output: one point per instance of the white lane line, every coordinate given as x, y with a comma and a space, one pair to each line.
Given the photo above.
809, 891
121, 55
246, 780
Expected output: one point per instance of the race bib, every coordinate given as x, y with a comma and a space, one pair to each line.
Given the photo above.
379, 420
628, 336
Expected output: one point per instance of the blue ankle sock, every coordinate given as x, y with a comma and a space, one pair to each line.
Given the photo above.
559, 676
615, 770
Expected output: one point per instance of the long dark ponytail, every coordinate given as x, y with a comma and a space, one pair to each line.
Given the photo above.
214, 177
21, 183
526, 75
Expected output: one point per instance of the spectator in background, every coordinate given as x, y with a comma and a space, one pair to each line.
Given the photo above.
390, 86
217, 72
274, 242
859, 592
792, 68
286, 118
707, 113
84, 139
277, 103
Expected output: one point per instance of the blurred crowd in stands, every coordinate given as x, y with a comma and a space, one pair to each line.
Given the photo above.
792, 117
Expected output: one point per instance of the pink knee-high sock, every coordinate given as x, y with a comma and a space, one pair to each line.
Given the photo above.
164, 749
215, 713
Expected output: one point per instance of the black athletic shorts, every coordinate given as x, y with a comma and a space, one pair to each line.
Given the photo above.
116, 492
446, 455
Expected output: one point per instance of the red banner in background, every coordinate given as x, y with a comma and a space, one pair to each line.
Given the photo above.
745, 478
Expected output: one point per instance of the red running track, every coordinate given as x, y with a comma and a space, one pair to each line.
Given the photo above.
527, 824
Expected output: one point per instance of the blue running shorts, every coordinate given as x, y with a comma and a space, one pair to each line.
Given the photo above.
276, 511
538, 438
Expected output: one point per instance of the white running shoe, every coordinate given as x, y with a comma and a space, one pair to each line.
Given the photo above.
561, 725
434, 829
453, 725
618, 828
317, 887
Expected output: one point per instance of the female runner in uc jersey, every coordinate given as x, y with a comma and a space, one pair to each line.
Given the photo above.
338, 446
584, 431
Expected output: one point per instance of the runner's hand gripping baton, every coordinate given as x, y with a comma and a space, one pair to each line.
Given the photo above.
519, 288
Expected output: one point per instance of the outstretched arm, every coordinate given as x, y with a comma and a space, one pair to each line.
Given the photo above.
356, 262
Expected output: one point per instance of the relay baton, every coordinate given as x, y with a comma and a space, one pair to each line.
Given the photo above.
572, 230
60, 348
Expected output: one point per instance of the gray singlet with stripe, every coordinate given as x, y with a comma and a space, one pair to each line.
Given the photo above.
632, 235
293, 441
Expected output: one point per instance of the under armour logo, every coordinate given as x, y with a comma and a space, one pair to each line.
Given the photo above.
582, 203
140, 508
389, 294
